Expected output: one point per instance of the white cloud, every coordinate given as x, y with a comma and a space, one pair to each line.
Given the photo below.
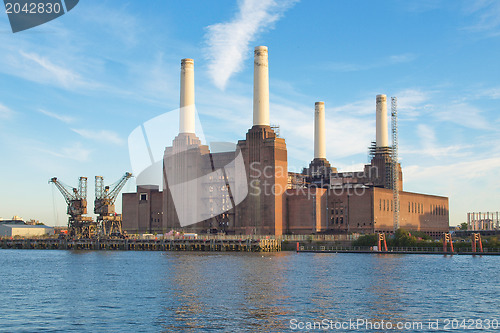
102, 135
47, 69
493, 93
63, 118
5, 112
429, 145
74, 152
228, 43
412, 100
463, 114
486, 14
388, 61
362, 107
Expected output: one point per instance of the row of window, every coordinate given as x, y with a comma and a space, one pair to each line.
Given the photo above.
387, 205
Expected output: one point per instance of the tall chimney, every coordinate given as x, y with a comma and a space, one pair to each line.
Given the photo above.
260, 87
382, 130
187, 106
319, 130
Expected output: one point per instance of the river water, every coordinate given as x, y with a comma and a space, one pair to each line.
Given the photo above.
99, 291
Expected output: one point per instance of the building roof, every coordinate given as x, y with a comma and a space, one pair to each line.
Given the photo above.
24, 226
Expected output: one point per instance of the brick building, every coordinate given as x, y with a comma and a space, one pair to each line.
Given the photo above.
202, 186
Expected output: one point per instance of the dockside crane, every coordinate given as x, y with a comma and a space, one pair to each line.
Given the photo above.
79, 226
109, 222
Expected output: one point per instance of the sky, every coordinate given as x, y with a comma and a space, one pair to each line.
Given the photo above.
74, 89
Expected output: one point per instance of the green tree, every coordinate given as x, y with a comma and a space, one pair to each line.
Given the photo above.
402, 238
463, 226
366, 240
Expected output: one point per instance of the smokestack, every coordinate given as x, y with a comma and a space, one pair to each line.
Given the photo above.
260, 87
319, 130
382, 130
187, 107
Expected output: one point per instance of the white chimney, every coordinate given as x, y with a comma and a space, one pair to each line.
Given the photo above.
187, 106
382, 129
319, 130
260, 87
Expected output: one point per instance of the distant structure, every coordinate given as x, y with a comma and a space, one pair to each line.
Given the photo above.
319, 200
483, 221
17, 227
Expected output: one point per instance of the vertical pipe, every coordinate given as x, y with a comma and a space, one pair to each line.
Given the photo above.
382, 129
187, 107
261, 87
319, 130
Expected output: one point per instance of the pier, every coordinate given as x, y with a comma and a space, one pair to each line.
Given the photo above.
301, 248
204, 245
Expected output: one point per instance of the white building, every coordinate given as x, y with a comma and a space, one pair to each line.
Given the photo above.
22, 230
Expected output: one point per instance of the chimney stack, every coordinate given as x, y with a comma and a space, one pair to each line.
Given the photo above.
260, 87
319, 131
382, 130
187, 106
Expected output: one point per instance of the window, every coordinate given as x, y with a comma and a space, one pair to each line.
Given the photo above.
144, 197
380, 204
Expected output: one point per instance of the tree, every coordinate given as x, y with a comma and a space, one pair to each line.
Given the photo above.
402, 238
463, 226
366, 240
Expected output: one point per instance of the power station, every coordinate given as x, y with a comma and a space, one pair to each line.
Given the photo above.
201, 184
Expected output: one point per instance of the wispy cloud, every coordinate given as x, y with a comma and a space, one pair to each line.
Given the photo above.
101, 136
44, 68
463, 114
388, 61
228, 43
430, 146
493, 93
63, 118
74, 152
5, 112
486, 14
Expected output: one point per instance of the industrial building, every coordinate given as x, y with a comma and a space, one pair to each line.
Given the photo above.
318, 200
483, 221
17, 227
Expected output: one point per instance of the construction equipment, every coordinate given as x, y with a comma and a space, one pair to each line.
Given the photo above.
79, 226
394, 164
109, 222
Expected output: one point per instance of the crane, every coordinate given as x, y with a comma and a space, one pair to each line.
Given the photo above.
79, 226
109, 222
394, 164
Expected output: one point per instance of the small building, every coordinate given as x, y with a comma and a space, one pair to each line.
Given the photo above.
23, 230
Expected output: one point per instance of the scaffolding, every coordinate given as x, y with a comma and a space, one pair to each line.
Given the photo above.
394, 165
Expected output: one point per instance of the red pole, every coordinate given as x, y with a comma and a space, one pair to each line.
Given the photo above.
480, 243
385, 244
379, 245
444, 243
451, 244
298, 247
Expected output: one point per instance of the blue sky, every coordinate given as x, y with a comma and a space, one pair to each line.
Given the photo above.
72, 90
